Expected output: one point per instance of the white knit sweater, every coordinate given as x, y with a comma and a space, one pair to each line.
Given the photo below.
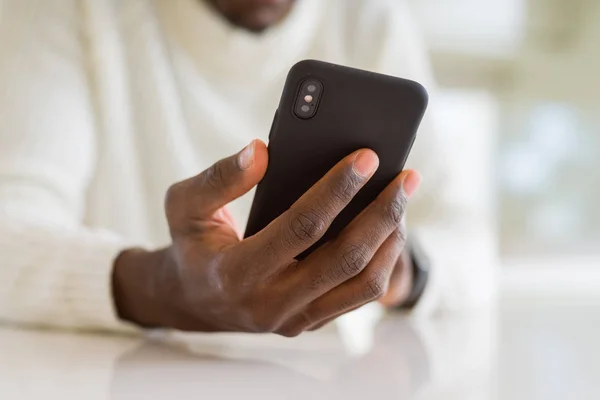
105, 103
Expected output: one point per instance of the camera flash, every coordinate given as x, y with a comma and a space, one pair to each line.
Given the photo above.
308, 98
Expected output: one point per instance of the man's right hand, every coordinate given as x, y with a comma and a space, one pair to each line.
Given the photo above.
211, 280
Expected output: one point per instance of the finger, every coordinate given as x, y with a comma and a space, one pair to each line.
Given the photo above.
400, 282
346, 256
369, 286
309, 218
393, 295
223, 182
327, 321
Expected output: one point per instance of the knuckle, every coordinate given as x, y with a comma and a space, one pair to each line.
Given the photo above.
400, 234
318, 281
375, 287
308, 226
214, 176
353, 260
343, 189
394, 210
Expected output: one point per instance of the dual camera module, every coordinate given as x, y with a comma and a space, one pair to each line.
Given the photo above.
308, 99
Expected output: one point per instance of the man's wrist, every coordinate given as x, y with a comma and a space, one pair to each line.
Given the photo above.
138, 292
420, 275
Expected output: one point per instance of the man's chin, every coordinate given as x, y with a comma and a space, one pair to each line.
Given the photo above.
254, 15
259, 20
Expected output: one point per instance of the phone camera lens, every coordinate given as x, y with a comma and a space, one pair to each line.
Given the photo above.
308, 98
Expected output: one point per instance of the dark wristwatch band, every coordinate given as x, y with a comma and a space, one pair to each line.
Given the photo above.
420, 266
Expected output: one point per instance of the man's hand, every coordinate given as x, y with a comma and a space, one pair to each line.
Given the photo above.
210, 280
401, 282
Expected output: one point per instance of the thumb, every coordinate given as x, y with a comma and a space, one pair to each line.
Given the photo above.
225, 181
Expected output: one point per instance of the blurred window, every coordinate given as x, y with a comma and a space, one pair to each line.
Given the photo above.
538, 62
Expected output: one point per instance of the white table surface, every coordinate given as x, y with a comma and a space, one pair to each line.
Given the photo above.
528, 350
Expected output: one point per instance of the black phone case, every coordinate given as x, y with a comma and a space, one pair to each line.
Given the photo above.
357, 109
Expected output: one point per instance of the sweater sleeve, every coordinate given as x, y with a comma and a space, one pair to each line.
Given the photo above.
53, 270
451, 214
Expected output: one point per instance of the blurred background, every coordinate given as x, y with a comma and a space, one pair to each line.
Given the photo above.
520, 93
520, 78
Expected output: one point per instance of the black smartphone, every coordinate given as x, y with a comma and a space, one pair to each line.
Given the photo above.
326, 112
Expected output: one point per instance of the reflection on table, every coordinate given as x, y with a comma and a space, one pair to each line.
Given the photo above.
531, 351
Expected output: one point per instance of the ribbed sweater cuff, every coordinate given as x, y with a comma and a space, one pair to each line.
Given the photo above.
88, 290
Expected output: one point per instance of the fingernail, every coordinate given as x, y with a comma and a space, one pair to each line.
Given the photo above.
411, 183
365, 163
246, 156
